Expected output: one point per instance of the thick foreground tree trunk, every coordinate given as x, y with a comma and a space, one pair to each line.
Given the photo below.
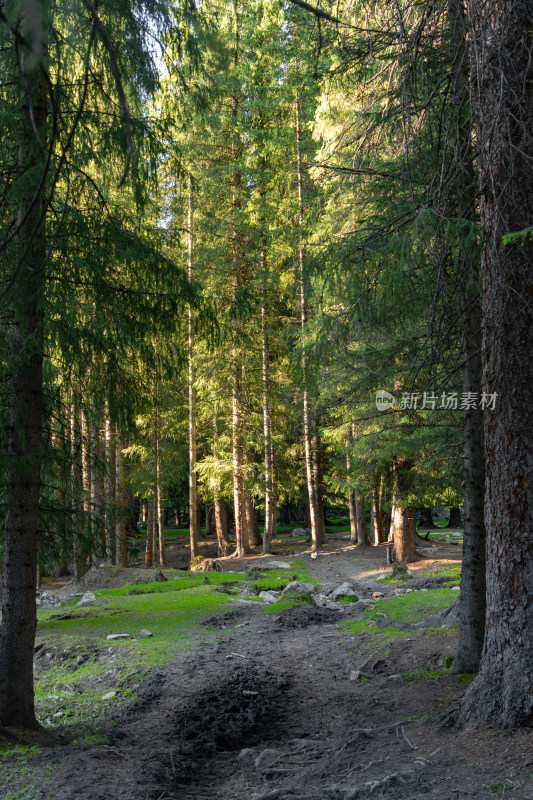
19, 619
502, 48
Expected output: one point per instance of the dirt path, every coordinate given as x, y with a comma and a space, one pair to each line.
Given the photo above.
268, 712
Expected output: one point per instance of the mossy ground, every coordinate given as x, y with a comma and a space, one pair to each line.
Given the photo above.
76, 663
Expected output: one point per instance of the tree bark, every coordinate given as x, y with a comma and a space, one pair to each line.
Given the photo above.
25, 403
110, 490
121, 549
241, 533
376, 514
270, 501
455, 520
426, 518
307, 416
464, 206
149, 551
502, 44
254, 537
193, 501
403, 518
362, 535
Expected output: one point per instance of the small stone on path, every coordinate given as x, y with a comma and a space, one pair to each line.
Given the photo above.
108, 695
118, 636
276, 565
144, 634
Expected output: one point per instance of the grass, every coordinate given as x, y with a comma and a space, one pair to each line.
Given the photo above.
84, 665
415, 606
16, 763
290, 599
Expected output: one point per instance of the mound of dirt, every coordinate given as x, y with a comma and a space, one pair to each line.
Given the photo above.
302, 616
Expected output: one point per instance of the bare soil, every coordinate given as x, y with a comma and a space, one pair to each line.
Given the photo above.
267, 711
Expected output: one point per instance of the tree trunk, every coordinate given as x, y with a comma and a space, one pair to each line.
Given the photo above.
149, 551
318, 482
76, 502
455, 520
121, 549
270, 501
158, 520
193, 501
351, 494
362, 536
353, 517
403, 518
254, 537
208, 519
376, 514
241, 533
502, 43
25, 393
221, 524
307, 421
110, 490
464, 204
426, 518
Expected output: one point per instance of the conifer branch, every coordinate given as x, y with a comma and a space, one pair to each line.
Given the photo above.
126, 116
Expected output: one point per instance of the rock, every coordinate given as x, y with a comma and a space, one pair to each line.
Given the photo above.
269, 597
206, 565
109, 695
160, 577
300, 533
267, 758
368, 602
88, 597
118, 636
277, 565
58, 714
344, 590
297, 587
455, 588
382, 576
144, 634
246, 757
46, 599
378, 595
357, 675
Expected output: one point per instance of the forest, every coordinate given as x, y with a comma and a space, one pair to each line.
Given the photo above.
266, 293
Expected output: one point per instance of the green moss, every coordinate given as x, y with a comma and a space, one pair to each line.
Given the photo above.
414, 606
423, 675
290, 599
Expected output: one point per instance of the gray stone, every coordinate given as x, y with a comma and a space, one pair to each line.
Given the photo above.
344, 590
144, 634
246, 757
276, 565
299, 588
300, 533
109, 695
118, 636
267, 758
356, 675
88, 597
455, 588
269, 597
46, 599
